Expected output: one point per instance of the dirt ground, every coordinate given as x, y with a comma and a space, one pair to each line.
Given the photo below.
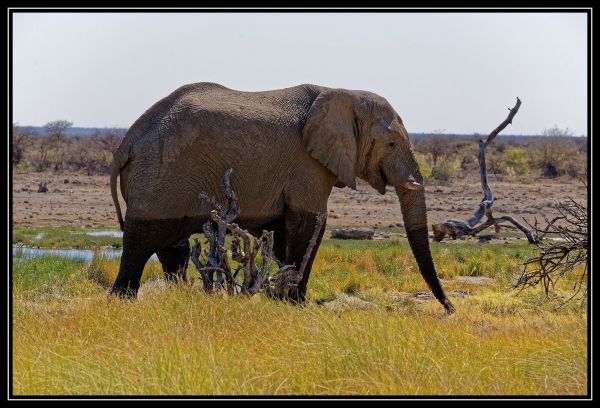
81, 200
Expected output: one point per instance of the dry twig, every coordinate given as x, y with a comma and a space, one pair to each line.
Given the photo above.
245, 250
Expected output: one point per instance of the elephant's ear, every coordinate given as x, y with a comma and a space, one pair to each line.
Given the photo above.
330, 134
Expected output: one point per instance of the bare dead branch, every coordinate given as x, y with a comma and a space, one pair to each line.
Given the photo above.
507, 121
204, 274
456, 229
245, 250
558, 257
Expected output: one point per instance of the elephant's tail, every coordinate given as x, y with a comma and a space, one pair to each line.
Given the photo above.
114, 173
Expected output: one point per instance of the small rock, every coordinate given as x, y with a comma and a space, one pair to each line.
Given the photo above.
66, 181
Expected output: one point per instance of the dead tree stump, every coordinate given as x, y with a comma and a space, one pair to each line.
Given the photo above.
352, 233
42, 188
456, 229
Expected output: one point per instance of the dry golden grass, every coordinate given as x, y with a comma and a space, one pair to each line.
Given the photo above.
70, 339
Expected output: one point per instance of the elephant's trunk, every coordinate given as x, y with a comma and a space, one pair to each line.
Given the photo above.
412, 203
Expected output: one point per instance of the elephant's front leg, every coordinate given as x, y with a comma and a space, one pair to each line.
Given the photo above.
174, 260
300, 227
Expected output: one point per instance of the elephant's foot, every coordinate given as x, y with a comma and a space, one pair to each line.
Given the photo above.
297, 296
293, 296
141, 238
448, 306
123, 291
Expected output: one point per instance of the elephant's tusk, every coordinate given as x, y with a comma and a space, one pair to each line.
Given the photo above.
411, 184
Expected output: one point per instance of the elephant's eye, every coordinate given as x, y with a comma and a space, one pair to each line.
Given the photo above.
391, 145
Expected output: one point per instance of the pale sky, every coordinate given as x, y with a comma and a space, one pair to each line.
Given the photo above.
456, 72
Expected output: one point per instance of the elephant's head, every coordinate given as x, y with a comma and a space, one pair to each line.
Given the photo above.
358, 134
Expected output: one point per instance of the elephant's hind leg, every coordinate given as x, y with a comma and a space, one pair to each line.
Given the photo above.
174, 260
141, 238
133, 260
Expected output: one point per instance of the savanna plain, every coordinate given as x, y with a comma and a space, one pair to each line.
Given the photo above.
370, 325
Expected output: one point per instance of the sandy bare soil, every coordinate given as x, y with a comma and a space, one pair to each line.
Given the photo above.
81, 200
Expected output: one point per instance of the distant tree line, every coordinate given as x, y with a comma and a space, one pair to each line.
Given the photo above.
441, 157
52, 150
557, 153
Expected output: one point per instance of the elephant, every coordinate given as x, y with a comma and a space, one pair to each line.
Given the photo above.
288, 148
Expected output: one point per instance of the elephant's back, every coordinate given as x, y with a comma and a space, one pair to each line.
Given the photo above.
211, 114
214, 128
275, 108
156, 114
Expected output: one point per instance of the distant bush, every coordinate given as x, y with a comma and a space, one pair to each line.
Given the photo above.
442, 172
554, 154
423, 165
557, 156
555, 131
436, 147
517, 161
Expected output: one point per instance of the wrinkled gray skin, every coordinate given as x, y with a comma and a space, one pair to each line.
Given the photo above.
288, 148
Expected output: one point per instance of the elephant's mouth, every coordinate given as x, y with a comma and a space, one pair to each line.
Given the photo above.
381, 181
382, 175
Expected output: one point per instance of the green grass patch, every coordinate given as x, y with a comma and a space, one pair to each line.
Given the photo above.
69, 338
64, 237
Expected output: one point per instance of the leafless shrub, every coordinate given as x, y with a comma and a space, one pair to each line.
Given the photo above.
56, 130
245, 250
109, 139
39, 158
82, 154
20, 140
437, 146
559, 256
